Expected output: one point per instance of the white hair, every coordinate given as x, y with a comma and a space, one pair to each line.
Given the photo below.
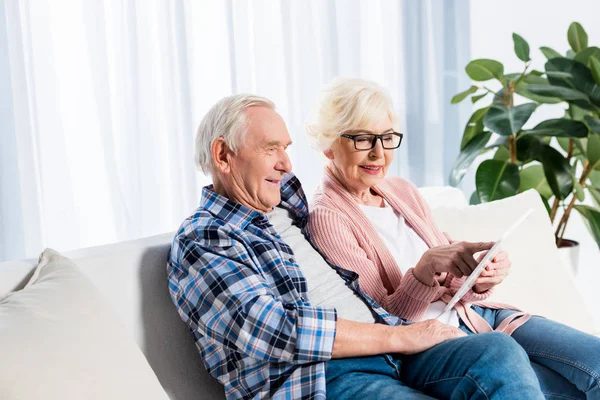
226, 119
348, 103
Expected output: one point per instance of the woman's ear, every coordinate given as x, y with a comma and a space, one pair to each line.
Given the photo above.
329, 154
221, 155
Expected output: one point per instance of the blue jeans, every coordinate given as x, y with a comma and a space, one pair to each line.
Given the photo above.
566, 361
463, 368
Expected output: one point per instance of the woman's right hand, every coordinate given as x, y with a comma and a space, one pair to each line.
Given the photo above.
456, 258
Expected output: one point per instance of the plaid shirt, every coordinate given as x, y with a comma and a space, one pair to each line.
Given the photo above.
236, 285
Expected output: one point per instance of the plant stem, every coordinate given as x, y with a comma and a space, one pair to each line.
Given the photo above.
494, 93
562, 225
554, 209
523, 74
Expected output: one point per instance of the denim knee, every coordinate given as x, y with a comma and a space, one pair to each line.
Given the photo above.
503, 350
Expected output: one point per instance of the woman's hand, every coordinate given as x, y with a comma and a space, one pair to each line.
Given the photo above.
493, 274
456, 258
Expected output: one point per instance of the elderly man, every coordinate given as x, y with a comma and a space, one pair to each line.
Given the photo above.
273, 319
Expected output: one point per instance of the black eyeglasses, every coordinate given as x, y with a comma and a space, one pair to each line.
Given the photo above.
366, 141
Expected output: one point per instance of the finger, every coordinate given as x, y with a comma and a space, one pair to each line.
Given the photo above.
460, 263
493, 281
501, 256
476, 247
488, 273
470, 261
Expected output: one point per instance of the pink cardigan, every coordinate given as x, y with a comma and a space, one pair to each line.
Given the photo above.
346, 236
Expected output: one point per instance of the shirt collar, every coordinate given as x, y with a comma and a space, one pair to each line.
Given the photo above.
293, 199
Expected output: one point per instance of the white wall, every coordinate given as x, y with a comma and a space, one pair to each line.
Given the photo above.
540, 23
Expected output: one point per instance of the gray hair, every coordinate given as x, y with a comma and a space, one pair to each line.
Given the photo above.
226, 119
347, 103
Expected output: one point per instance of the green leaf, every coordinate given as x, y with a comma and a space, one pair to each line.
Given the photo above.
595, 192
462, 95
521, 89
557, 171
505, 120
546, 205
559, 127
584, 56
535, 72
529, 148
475, 99
559, 92
496, 180
576, 113
466, 157
473, 127
521, 48
579, 192
582, 80
500, 141
474, 200
595, 178
595, 68
578, 39
592, 219
593, 123
533, 178
502, 154
559, 74
550, 53
593, 150
570, 54
578, 149
484, 70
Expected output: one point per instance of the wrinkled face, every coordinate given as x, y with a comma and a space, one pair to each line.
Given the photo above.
261, 162
361, 169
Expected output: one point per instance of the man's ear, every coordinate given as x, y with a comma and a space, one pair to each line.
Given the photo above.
221, 155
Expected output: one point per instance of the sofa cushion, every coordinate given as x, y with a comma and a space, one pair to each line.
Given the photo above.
537, 282
59, 339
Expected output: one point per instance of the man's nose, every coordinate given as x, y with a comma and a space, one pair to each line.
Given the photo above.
284, 164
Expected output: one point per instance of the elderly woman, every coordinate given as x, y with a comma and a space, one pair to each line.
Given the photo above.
381, 228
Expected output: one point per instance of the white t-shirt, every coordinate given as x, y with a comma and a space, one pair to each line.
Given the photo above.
407, 248
325, 286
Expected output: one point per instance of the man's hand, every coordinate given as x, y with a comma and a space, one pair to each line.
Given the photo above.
423, 335
456, 258
494, 273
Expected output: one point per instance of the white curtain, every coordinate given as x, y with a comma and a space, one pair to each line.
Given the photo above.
100, 99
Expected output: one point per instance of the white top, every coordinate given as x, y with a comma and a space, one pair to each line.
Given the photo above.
407, 248
325, 286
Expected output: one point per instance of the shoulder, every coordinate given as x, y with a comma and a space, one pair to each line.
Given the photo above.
202, 231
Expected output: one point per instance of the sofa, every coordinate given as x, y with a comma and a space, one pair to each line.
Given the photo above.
131, 278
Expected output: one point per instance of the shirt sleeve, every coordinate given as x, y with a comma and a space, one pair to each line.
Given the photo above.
221, 295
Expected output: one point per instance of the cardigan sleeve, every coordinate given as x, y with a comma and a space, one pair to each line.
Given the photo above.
334, 236
451, 282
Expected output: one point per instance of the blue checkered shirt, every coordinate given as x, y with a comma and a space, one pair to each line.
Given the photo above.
236, 285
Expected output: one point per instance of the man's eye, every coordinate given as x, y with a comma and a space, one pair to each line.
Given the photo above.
388, 138
362, 140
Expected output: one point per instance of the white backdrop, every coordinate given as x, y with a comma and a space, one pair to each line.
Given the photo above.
100, 99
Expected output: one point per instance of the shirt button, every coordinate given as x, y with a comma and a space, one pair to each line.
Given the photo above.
292, 260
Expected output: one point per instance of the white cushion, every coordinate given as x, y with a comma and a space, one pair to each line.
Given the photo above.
59, 339
537, 281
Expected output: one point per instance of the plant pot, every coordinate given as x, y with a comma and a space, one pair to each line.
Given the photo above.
569, 255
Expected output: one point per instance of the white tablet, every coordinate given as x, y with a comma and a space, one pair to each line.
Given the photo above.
466, 286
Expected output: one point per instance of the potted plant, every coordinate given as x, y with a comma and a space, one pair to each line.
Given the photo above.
559, 157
